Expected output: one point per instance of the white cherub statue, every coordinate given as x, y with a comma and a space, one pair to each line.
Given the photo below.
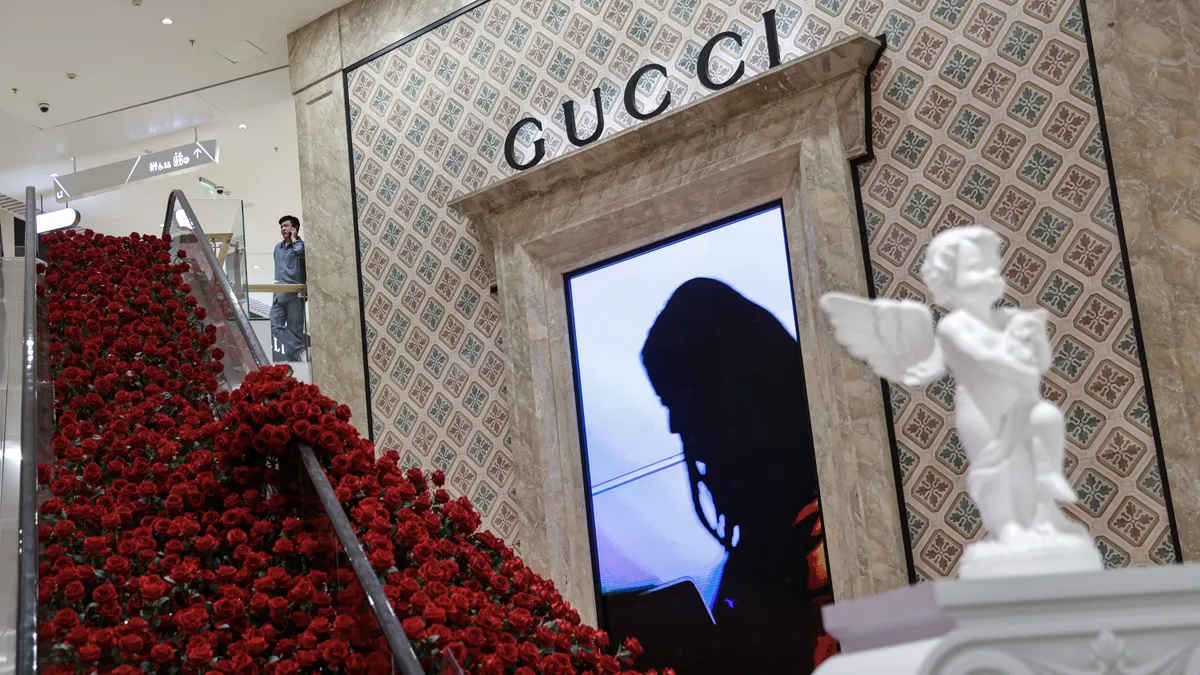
1013, 438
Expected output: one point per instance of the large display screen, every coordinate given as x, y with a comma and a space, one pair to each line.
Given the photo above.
703, 499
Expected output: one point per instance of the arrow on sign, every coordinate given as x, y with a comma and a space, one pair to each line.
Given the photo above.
197, 153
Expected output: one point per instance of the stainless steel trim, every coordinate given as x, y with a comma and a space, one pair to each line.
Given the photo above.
210, 256
27, 565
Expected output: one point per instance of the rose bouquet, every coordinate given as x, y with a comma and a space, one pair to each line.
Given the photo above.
176, 538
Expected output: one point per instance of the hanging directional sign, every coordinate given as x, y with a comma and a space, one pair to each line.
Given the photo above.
111, 176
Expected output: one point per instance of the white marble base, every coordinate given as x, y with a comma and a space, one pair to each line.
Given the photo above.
1142, 621
1057, 554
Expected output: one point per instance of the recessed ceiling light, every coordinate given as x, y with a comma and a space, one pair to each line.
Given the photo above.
256, 267
167, 21
241, 126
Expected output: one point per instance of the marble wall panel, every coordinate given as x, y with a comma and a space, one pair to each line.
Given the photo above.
333, 294
982, 111
1148, 59
315, 52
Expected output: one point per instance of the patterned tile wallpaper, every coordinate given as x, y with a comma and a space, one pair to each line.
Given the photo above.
984, 110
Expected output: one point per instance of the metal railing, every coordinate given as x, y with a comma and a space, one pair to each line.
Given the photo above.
180, 212
34, 400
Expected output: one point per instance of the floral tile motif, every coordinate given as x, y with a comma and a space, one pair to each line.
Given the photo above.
984, 112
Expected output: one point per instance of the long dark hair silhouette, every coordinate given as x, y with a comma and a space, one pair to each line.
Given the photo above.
731, 376
732, 380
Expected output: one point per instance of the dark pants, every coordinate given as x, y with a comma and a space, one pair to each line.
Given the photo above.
287, 327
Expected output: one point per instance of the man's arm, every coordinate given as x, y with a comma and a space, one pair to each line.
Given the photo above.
298, 246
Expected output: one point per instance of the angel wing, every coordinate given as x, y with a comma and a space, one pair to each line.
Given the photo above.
895, 337
1002, 315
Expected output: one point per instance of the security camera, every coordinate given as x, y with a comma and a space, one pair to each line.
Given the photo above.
44, 107
221, 190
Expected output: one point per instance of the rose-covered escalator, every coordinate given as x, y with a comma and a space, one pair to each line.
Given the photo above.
195, 510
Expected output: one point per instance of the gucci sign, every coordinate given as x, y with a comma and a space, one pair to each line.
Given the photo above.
702, 67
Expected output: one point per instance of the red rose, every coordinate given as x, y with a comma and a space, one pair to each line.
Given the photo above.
507, 653
308, 658
277, 607
191, 620
382, 559
500, 583
302, 591
130, 644
520, 619
413, 627
334, 651
111, 611
528, 652
433, 614
199, 654
556, 664
228, 608
474, 636
256, 645
89, 653
66, 619
205, 544
153, 588
118, 565
162, 653
74, 592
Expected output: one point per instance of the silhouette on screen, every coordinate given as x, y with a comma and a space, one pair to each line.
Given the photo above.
730, 376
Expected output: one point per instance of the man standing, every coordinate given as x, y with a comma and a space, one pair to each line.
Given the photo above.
287, 309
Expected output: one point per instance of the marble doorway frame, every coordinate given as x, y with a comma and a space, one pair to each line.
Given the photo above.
789, 134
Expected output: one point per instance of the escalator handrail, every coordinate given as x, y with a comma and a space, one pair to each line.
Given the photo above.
27, 561
180, 201
401, 648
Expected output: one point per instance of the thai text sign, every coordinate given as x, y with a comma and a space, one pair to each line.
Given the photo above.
111, 176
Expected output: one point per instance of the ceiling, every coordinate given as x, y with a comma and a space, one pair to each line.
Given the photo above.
135, 78
258, 164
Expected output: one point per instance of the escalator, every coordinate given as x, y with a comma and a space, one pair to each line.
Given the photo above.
26, 430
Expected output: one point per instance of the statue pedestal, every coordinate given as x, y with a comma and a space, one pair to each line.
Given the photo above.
1141, 621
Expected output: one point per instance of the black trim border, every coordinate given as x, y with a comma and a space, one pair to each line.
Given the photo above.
1127, 268
629, 255
358, 269
416, 34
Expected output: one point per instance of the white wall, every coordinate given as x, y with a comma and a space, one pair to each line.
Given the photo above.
265, 179
6, 233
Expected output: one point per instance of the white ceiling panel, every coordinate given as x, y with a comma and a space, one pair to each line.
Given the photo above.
97, 134
250, 92
122, 55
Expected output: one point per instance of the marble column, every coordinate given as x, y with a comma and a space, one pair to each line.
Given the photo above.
1148, 59
336, 330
